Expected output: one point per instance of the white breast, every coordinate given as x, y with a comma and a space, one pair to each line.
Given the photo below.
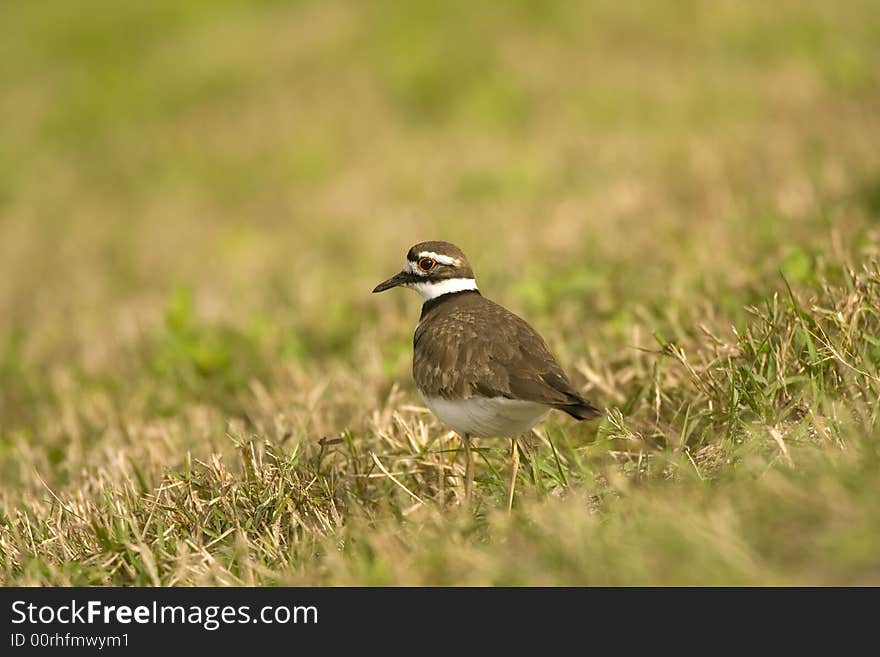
495, 417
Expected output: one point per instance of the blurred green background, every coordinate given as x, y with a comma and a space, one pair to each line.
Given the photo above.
196, 198
205, 189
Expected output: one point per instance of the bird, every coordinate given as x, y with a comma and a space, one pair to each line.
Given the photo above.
480, 368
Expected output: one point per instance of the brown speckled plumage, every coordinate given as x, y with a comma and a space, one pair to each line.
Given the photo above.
466, 345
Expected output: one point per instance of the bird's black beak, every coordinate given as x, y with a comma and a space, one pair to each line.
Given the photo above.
398, 279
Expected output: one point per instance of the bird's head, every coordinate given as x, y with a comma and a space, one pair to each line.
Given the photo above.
433, 269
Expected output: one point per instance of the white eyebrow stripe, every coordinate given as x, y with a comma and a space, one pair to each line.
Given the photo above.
442, 259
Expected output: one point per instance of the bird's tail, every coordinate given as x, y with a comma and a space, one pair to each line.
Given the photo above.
580, 409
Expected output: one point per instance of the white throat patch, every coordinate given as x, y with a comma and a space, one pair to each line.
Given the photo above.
439, 288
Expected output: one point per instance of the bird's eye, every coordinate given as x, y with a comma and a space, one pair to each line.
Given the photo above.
427, 264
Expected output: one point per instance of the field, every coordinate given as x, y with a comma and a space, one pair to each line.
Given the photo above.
197, 387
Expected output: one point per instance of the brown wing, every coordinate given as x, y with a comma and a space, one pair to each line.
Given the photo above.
476, 347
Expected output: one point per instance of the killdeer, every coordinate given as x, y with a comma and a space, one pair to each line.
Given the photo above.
483, 371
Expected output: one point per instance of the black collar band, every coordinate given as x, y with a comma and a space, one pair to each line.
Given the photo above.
430, 304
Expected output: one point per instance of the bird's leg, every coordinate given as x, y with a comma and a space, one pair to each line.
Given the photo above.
468, 467
514, 466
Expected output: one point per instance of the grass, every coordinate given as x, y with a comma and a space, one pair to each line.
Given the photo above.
196, 386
